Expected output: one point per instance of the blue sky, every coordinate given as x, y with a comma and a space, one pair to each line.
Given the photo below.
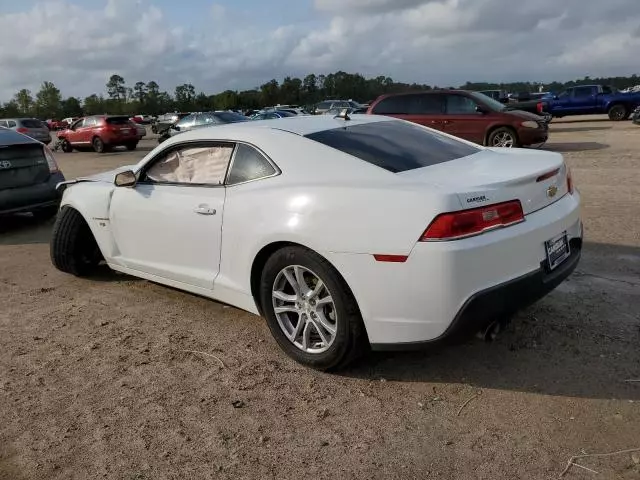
241, 44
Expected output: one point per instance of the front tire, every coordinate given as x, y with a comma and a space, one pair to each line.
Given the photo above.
73, 248
618, 113
98, 145
503, 137
310, 310
66, 146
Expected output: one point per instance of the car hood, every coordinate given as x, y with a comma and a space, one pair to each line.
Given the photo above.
524, 115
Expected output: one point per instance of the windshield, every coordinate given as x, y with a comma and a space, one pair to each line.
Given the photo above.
230, 117
488, 101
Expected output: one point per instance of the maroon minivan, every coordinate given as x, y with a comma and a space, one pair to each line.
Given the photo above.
468, 115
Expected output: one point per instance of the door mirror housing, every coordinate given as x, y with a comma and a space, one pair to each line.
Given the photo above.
480, 109
555, 97
125, 179
175, 127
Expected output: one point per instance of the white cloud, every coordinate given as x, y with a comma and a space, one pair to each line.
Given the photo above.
442, 42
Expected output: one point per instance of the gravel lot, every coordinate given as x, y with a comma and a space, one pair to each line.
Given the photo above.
98, 378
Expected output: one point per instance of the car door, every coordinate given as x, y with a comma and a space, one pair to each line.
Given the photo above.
562, 104
169, 225
76, 133
584, 100
462, 118
88, 127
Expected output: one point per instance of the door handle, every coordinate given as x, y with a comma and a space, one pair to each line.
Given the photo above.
446, 122
204, 209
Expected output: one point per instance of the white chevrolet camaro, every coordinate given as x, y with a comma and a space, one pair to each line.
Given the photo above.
343, 233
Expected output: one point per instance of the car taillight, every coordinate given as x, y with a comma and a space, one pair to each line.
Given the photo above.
540, 107
569, 181
51, 161
22, 130
465, 223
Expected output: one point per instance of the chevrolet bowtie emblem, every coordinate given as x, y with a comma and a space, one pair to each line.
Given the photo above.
551, 191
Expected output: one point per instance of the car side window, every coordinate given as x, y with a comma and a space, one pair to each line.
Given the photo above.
249, 164
460, 105
396, 105
191, 165
90, 122
78, 124
3, 123
12, 124
427, 104
582, 91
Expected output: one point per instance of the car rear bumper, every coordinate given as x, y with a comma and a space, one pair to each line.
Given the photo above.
442, 288
531, 136
498, 302
32, 197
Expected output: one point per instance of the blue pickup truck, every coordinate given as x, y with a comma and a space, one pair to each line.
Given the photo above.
592, 99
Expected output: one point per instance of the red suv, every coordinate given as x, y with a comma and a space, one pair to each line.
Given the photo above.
100, 132
468, 115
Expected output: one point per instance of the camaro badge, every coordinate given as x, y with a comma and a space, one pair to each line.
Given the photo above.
551, 191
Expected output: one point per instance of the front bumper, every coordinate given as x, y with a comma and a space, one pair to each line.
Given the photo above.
443, 284
31, 197
531, 136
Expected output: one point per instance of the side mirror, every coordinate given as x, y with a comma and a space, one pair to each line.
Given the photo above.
175, 127
555, 97
125, 179
480, 109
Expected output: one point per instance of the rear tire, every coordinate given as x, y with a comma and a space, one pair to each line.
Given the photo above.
66, 146
73, 248
503, 137
45, 213
618, 113
349, 340
98, 145
132, 146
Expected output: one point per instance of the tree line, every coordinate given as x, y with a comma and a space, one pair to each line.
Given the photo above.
148, 98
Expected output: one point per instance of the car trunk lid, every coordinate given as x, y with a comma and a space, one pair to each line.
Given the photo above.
22, 164
496, 175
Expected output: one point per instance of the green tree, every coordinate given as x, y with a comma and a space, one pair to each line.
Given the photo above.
140, 92
94, 105
290, 91
270, 93
11, 109
24, 100
71, 108
116, 88
185, 95
48, 101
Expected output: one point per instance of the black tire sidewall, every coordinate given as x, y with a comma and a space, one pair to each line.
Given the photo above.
98, 145
617, 108
343, 301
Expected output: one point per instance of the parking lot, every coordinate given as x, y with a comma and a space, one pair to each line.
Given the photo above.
115, 377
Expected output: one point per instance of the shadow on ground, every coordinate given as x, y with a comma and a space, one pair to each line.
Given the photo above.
24, 229
578, 129
575, 146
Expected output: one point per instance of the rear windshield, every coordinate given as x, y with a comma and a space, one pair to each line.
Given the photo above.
230, 117
32, 123
118, 120
393, 145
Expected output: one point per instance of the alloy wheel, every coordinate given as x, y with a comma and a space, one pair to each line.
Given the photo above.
305, 309
503, 139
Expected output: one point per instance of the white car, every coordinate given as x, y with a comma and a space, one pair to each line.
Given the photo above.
343, 233
142, 131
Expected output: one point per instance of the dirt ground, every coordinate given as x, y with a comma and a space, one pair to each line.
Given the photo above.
99, 379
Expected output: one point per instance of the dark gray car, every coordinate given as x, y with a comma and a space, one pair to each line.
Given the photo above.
31, 127
28, 176
205, 119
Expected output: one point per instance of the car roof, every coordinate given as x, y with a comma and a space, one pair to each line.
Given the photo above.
10, 137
